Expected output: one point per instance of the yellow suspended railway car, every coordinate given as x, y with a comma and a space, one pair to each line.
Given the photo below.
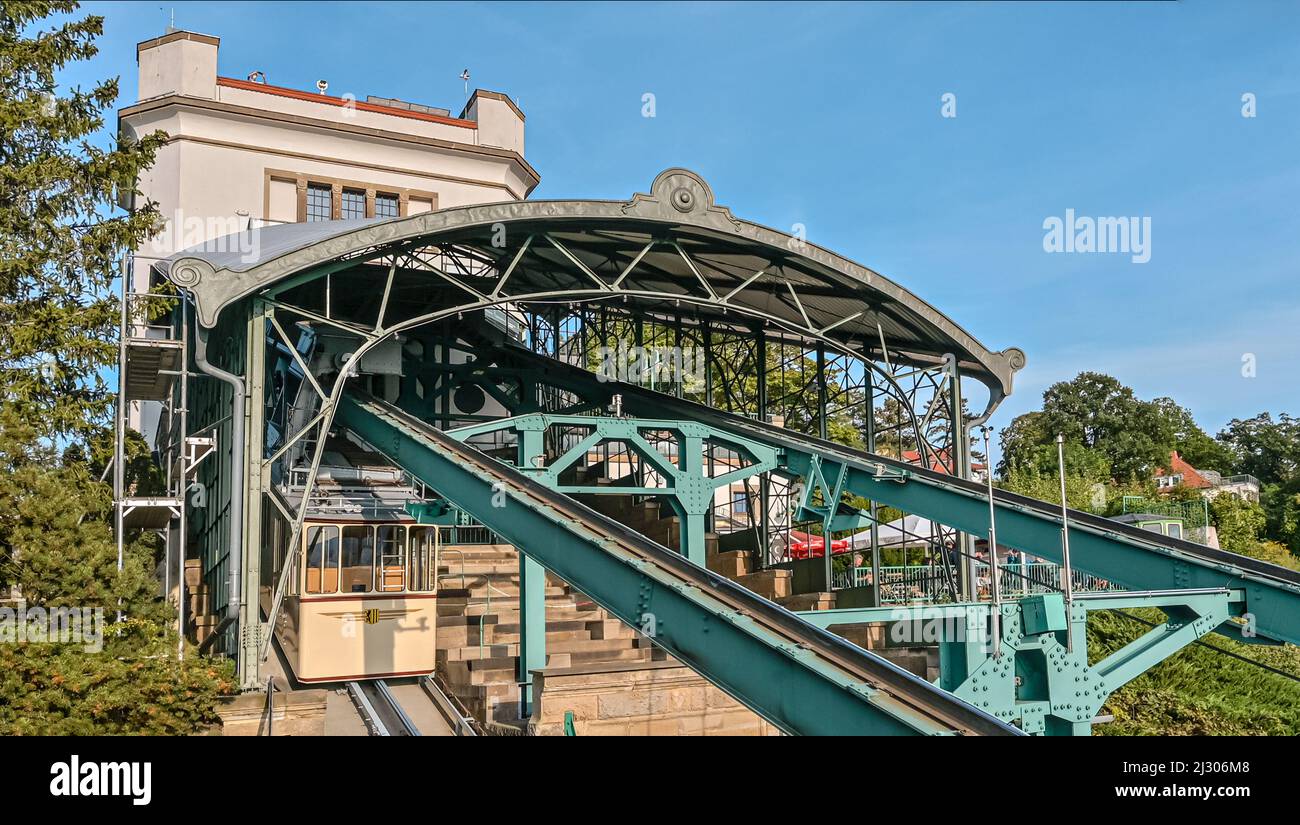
362, 603
361, 599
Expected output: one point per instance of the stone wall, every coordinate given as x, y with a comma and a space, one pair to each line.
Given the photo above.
297, 713
639, 699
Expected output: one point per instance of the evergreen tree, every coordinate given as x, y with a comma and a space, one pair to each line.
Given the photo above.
61, 242
60, 246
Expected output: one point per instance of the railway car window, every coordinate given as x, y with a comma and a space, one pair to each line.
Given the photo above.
391, 575
421, 559
322, 559
357, 573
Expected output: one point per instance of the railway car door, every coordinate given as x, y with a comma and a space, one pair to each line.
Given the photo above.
391, 576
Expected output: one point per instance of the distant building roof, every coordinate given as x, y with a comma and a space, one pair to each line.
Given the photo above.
1191, 476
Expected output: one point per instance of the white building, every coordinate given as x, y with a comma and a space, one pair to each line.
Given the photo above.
242, 153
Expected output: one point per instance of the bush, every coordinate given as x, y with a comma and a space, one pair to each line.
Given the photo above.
133, 686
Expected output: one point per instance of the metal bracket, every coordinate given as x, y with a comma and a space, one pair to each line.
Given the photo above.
197, 448
883, 472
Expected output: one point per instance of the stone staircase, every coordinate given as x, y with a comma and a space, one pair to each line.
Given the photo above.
479, 632
648, 519
587, 649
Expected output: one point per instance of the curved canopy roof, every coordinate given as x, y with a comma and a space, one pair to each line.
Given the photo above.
672, 247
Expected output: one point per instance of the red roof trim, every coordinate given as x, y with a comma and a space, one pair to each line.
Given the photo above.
311, 97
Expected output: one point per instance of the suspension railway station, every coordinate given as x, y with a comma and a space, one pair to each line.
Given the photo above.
403, 471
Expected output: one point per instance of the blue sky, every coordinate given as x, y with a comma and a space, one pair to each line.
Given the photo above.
829, 116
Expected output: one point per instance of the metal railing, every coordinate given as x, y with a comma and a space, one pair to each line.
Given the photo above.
1244, 478
925, 583
466, 534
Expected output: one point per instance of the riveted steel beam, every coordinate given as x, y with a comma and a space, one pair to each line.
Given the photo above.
800, 678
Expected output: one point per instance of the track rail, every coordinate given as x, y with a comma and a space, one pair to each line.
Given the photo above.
893, 691
461, 723
380, 711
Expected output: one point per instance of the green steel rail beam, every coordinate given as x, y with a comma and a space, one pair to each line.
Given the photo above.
1134, 558
802, 679
1042, 680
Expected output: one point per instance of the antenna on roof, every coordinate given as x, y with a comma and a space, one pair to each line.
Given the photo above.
171, 22
464, 75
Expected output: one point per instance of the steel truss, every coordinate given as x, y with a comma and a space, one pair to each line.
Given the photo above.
786, 330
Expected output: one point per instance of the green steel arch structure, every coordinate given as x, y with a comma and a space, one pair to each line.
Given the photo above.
499, 313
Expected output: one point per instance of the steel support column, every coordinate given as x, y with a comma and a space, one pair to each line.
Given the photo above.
870, 382
958, 464
532, 628
259, 480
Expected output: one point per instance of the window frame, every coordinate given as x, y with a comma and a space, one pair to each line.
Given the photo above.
356, 196
313, 208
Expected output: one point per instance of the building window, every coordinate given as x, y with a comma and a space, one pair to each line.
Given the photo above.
385, 206
352, 205
319, 206
739, 502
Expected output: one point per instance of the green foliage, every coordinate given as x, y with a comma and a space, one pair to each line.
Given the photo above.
56, 542
1270, 451
1267, 449
59, 251
1102, 414
60, 244
1282, 513
1192, 443
1238, 523
1109, 433
1197, 691
1082, 492
133, 686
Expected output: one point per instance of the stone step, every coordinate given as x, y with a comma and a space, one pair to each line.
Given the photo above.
808, 601
509, 612
770, 584
511, 626
452, 556
510, 604
559, 608
503, 668
496, 650
731, 564
504, 588
476, 568
462, 646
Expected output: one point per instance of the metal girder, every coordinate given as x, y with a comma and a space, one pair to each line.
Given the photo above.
679, 215
1132, 558
801, 679
1129, 557
691, 489
1039, 680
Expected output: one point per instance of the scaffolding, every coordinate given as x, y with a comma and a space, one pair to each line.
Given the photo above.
153, 352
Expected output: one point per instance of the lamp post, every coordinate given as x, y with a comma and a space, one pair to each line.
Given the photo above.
995, 574
1067, 577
